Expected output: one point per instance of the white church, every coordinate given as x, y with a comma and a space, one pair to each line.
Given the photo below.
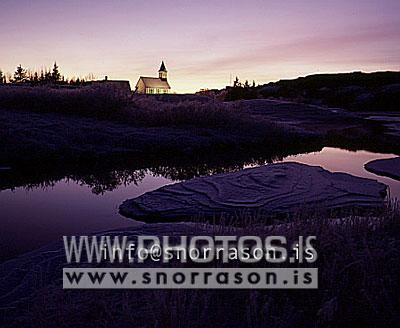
154, 85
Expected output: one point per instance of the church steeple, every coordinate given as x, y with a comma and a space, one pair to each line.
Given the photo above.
162, 72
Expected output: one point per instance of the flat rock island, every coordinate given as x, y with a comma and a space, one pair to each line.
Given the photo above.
270, 189
389, 167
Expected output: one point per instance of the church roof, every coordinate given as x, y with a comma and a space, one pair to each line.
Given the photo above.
155, 82
162, 68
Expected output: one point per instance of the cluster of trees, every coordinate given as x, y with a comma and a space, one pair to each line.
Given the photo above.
246, 84
42, 77
241, 90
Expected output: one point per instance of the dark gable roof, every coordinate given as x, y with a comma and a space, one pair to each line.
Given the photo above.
155, 82
162, 68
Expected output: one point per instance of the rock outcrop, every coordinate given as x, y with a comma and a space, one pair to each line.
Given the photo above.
389, 167
270, 189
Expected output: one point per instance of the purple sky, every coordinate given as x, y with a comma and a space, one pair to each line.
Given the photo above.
202, 42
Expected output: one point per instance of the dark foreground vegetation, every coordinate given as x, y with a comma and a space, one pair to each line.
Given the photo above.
358, 283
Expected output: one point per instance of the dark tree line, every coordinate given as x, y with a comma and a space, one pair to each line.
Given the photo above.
42, 77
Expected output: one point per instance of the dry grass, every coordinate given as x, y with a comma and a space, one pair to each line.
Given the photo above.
140, 110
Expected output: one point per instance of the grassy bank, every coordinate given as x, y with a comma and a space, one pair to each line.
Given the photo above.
136, 110
50, 124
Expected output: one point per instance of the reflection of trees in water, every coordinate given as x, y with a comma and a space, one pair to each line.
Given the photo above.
42, 185
102, 182
188, 172
184, 173
108, 179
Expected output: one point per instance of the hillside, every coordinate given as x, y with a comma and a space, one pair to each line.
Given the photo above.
356, 91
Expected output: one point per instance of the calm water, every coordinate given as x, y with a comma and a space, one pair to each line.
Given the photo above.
31, 217
339, 160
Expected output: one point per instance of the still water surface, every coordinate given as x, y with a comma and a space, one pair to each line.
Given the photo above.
31, 217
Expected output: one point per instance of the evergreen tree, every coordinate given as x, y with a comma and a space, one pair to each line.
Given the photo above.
236, 83
254, 84
41, 78
20, 75
55, 74
47, 76
2, 77
30, 76
35, 78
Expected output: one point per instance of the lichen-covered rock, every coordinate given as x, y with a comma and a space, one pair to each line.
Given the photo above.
270, 189
389, 167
